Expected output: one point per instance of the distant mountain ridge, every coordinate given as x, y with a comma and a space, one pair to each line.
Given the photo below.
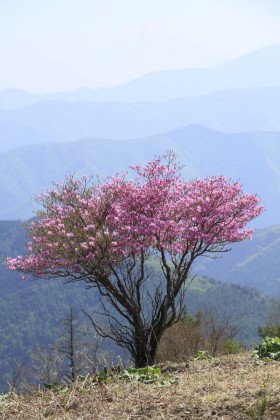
259, 68
40, 136
253, 158
64, 121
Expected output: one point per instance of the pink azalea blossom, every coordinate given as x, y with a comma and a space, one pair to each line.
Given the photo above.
157, 211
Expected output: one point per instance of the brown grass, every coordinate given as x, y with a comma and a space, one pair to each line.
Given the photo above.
225, 387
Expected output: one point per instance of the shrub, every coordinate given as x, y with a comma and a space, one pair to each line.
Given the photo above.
231, 346
269, 348
181, 341
205, 331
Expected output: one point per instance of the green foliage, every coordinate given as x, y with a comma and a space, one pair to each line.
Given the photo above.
257, 411
202, 355
146, 375
269, 348
4, 399
188, 320
56, 388
269, 331
230, 346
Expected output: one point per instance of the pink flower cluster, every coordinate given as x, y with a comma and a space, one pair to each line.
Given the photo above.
84, 224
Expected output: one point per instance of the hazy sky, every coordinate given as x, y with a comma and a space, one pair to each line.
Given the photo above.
51, 45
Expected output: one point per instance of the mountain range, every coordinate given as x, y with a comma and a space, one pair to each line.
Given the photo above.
223, 120
238, 95
220, 120
256, 69
253, 158
64, 121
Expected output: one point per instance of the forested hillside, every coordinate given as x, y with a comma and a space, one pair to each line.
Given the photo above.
253, 262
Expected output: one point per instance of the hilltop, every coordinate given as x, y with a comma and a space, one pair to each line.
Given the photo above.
227, 387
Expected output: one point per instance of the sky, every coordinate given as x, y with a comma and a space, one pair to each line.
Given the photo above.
62, 45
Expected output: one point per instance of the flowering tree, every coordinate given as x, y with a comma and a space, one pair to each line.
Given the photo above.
109, 236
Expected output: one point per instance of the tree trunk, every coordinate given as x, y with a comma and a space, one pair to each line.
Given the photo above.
143, 357
145, 351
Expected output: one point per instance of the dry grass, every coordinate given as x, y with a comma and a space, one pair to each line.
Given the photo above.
226, 387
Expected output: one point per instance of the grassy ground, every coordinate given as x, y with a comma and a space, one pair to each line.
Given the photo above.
226, 387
